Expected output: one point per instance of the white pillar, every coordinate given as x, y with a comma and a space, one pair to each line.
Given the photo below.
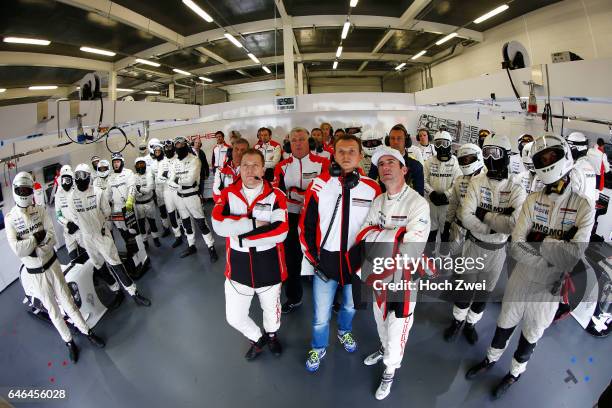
300, 78
170, 90
203, 95
112, 85
288, 60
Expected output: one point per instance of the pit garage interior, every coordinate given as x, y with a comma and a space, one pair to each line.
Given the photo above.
80, 78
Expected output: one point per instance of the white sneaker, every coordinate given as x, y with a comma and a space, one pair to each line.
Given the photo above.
374, 358
114, 287
385, 386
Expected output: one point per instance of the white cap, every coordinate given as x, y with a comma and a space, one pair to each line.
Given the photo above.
387, 151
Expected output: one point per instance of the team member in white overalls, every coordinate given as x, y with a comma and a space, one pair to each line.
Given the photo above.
145, 206
72, 236
169, 190
30, 235
550, 237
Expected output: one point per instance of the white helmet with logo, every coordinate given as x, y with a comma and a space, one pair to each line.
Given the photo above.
552, 158
23, 189
103, 169
152, 143
526, 157
370, 140
469, 157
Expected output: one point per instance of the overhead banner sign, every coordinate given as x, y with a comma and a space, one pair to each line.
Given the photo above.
461, 132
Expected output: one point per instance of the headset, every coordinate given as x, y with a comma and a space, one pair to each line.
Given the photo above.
407, 138
350, 180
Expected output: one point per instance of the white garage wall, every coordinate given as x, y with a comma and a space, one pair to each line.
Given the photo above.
581, 26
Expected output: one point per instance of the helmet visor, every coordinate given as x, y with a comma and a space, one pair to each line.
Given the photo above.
493, 152
442, 143
371, 143
467, 160
81, 175
24, 191
548, 157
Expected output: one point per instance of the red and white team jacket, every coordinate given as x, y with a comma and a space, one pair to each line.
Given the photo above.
318, 217
255, 255
225, 177
293, 176
219, 155
271, 151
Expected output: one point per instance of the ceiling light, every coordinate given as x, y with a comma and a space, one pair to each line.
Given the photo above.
180, 71
345, 29
124, 90
97, 51
335, 65
353, 3
233, 40
144, 61
492, 13
31, 41
152, 92
196, 9
2, 90
445, 39
400, 66
419, 55
42, 87
253, 57
339, 52
205, 79
266, 69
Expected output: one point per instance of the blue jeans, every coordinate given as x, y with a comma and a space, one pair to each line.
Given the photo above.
323, 294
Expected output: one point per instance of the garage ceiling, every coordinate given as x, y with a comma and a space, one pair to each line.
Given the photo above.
171, 34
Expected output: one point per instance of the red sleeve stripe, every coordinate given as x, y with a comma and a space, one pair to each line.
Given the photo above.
360, 236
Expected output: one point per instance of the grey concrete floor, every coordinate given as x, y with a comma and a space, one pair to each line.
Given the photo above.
182, 353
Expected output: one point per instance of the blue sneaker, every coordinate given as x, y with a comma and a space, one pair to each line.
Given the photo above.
314, 360
348, 341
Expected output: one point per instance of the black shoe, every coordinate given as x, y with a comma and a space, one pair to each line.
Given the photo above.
146, 244
141, 300
73, 351
594, 331
189, 251
95, 340
470, 333
274, 344
156, 242
482, 367
504, 385
290, 307
256, 348
336, 307
562, 312
166, 232
452, 331
177, 242
213, 254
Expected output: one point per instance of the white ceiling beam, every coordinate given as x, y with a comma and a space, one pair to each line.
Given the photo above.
299, 22
51, 60
117, 12
326, 56
212, 55
287, 20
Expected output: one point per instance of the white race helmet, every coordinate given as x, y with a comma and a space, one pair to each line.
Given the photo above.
552, 158
82, 176
66, 177
66, 170
23, 189
142, 148
103, 164
578, 141
370, 140
84, 167
152, 143
526, 157
443, 135
354, 129
470, 160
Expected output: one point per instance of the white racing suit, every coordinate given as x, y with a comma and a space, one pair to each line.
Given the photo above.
272, 155
439, 178
99, 184
186, 174
224, 177
529, 181
584, 179
415, 153
516, 165
168, 188
44, 273
403, 222
219, 156
426, 151
500, 202
145, 205
90, 212
73, 242
453, 221
255, 255
564, 222
160, 188
120, 189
